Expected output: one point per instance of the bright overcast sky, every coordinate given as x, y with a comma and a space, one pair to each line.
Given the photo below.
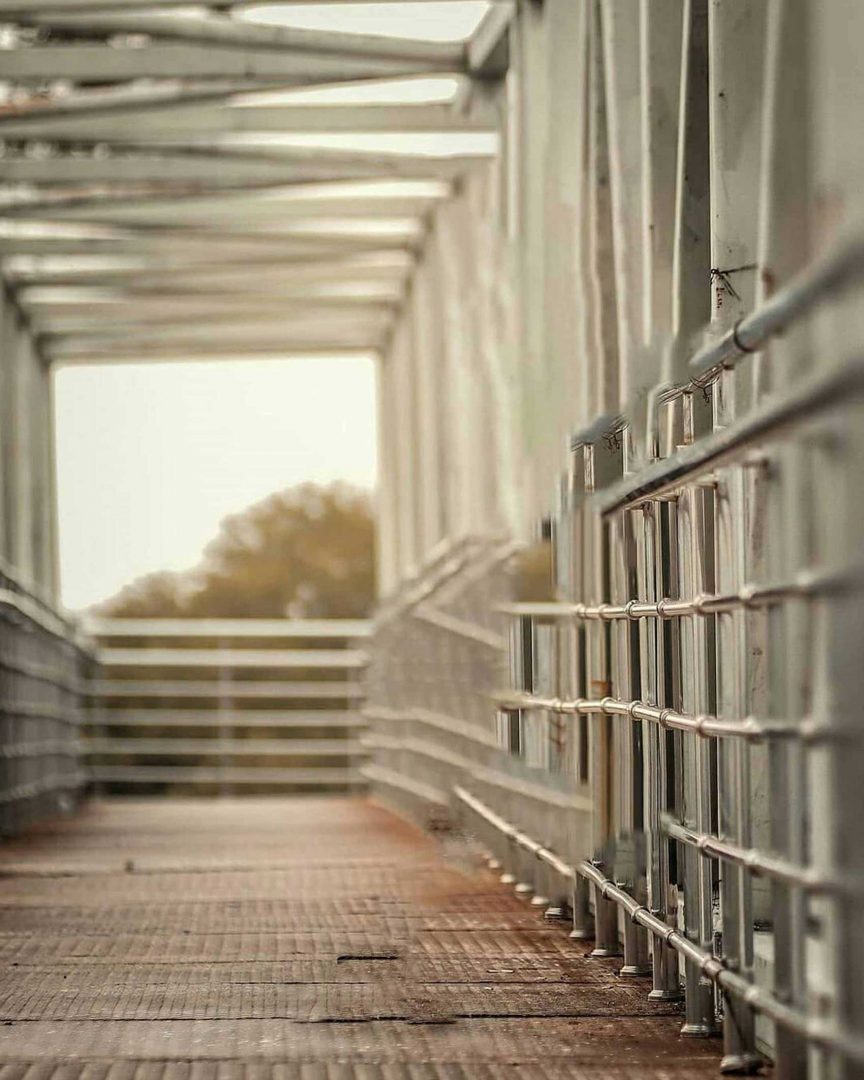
152, 457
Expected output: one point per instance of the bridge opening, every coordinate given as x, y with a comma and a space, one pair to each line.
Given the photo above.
164, 453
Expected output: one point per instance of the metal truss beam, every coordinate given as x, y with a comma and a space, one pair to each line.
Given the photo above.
24, 7
237, 283
333, 166
88, 64
142, 124
40, 240
271, 204
150, 223
177, 342
166, 169
269, 314
120, 98
489, 47
248, 36
284, 347
152, 276
301, 325
377, 231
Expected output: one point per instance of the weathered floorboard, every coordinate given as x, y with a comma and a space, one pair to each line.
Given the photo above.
304, 937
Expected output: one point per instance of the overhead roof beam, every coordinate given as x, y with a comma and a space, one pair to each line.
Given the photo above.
225, 31
67, 170
192, 247
139, 125
124, 98
380, 231
298, 162
234, 280
311, 326
386, 263
118, 98
24, 7
386, 162
169, 168
286, 300
231, 279
285, 343
100, 63
267, 325
200, 164
168, 306
84, 317
285, 350
272, 340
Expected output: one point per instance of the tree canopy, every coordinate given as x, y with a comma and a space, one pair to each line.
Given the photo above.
307, 552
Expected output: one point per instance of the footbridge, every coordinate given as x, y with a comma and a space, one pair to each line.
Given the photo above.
608, 256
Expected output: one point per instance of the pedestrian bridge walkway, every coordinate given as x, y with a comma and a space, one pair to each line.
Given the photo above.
608, 259
308, 937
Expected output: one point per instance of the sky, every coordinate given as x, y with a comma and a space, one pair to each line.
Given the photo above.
151, 457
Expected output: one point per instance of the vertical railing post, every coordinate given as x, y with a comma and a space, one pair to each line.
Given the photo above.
583, 921
694, 770
605, 924
226, 759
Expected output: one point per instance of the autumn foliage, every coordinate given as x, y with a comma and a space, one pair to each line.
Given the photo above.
307, 552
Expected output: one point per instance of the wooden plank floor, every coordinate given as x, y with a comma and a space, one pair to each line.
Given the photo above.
298, 937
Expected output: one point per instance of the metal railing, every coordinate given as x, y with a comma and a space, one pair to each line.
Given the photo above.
42, 661
220, 705
704, 662
440, 653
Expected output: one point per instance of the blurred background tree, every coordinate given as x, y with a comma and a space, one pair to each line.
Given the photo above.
531, 573
307, 552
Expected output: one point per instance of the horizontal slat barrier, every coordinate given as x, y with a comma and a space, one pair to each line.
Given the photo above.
229, 775
113, 688
307, 629
257, 718
224, 703
234, 658
235, 747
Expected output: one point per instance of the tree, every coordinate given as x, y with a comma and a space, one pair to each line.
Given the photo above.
307, 552
531, 577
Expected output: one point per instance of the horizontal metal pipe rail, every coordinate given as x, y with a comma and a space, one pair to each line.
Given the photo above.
760, 864
276, 690
749, 728
41, 748
711, 967
826, 279
808, 397
155, 720
750, 597
38, 614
